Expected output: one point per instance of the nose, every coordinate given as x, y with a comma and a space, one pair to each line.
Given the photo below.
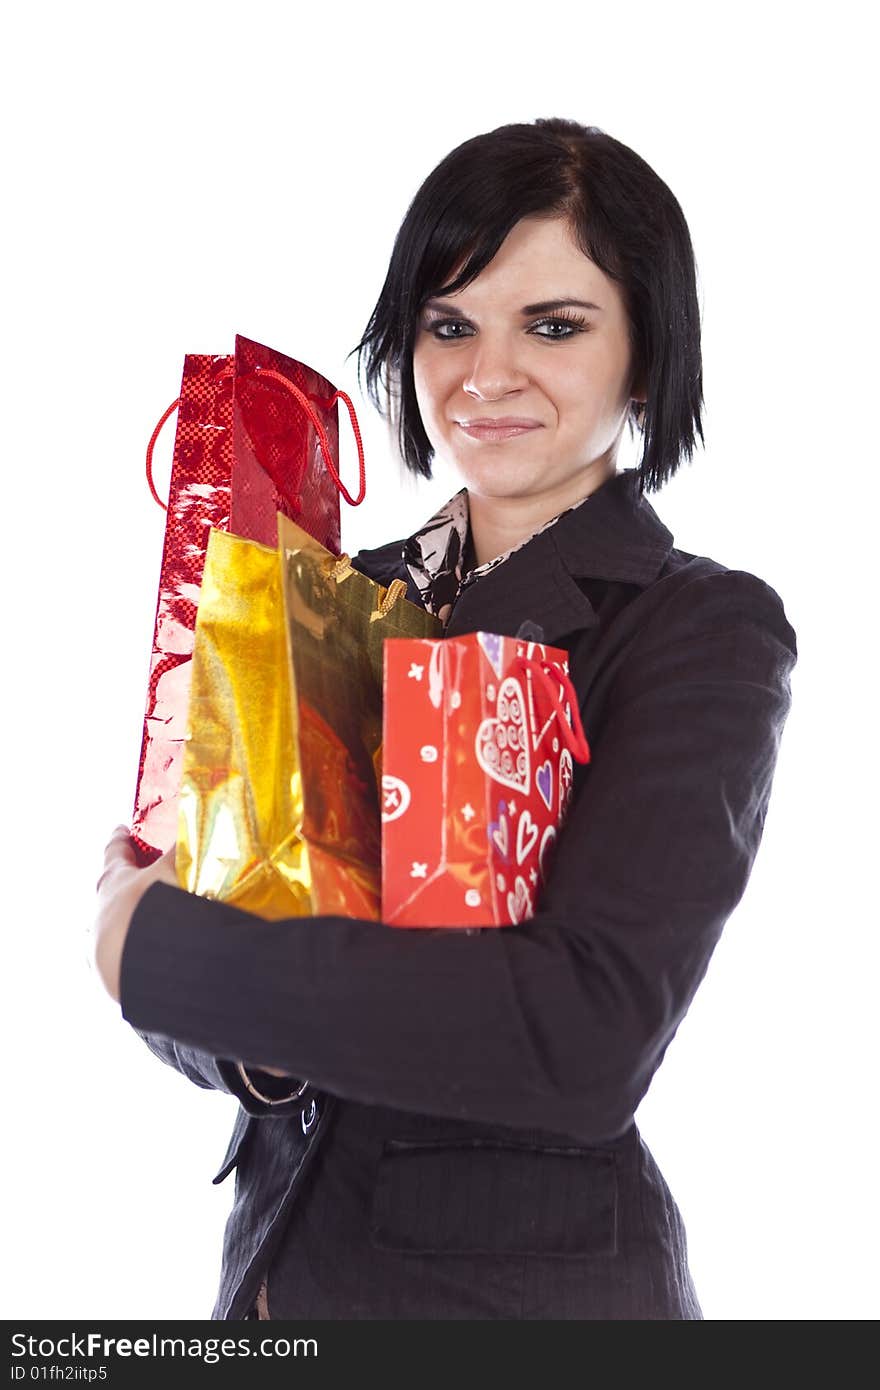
492, 371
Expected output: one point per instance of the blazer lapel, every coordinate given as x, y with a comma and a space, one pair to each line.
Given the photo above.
615, 536
534, 583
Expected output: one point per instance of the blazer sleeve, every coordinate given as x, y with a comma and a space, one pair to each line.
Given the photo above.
558, 1023
284, 1095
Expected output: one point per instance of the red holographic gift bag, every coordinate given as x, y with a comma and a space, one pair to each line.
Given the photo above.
480, 736
257, 433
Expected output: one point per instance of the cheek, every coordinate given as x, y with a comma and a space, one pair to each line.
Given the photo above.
422, 376
574, 393
585, 391
432, 385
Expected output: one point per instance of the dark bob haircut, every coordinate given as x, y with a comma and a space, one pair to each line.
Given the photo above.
624, 218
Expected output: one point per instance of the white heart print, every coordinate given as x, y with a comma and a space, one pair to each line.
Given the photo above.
539, 732
526, 835
502, 745
519, 904
548, 840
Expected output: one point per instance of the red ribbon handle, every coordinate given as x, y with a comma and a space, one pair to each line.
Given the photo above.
305, 402
543, 674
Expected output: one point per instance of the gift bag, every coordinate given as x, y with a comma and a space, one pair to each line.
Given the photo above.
279, 797
481, 733
257, 432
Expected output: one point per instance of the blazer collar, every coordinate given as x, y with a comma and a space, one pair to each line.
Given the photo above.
437, 556
616, 535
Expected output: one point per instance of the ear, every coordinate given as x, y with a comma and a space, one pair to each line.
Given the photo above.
639, 391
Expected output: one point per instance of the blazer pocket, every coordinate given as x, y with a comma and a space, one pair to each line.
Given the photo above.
482, 1197
240, 1132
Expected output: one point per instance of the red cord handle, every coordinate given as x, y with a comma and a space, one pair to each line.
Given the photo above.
544, 673
222, 376
305, 402
150, 447
324, 442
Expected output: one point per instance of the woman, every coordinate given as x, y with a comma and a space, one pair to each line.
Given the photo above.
464, 1146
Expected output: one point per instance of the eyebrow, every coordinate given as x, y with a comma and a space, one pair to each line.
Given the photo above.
545, 306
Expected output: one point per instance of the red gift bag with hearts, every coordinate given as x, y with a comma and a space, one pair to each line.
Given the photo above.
257, 433
480, 737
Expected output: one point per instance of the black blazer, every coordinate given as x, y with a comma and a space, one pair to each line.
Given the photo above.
517, 1056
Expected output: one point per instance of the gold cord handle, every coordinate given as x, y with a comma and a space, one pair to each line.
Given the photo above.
342, 568
396, 589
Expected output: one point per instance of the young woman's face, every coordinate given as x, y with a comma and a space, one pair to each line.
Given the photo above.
489, 352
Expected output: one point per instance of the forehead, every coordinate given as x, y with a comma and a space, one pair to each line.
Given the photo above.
539, 259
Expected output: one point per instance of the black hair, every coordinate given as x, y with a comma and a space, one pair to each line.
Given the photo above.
624, 217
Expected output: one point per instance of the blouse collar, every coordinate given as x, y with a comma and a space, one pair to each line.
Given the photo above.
439, 556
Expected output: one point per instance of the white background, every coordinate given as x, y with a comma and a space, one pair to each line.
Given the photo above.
179, 173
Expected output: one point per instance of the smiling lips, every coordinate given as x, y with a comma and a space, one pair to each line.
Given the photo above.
504, 428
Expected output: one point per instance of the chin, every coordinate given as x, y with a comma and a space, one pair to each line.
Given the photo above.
495, 486
502, 478
502, 466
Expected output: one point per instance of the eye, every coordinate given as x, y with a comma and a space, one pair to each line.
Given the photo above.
437, 324
570, 323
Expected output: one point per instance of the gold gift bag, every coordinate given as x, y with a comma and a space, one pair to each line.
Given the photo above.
279, 800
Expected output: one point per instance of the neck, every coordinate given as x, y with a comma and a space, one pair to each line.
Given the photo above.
499, 523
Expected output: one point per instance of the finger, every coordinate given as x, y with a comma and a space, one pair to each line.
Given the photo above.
118, 851
119, 846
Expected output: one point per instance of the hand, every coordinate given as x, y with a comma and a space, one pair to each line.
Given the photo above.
120, 889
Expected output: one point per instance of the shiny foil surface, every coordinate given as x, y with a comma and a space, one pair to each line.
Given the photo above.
243, 450
279, 802
277, 464
199, 499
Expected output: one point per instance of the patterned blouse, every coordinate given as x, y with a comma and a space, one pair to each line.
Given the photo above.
440, 555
